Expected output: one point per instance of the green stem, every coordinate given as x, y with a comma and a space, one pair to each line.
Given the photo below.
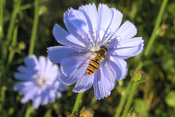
77, 103
2, 4
29, 111
27, 6
22, 110
155, 30
128, 104
1, 19
140, 65
93, 101
12, 52
11, 26
10, 29
122, 101
3, 90
34, 28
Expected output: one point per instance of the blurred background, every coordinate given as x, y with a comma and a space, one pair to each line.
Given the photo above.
154, 97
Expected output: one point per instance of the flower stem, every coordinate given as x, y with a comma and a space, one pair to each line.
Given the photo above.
155, 30
29, 5
77, 103
3, 90
13, 19
122, 101
29, 111
22, 110
128, 104
11, 27
12, 52
93, 101
154, 33
34, 28
1, 20
2, 5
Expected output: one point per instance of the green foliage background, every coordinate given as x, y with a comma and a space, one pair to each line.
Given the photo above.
154, 97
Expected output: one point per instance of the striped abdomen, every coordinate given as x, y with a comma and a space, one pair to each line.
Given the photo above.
93, 65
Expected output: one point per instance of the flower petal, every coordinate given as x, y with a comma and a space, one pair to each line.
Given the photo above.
74, 61
25, 70
57, 53
131, 42
58, 95
78, 20
104, 21
84, 20
36, 102
90, 13
42, 63
126, 31
84, 83
65, 38
28, 95
119, 66
108, 71
129, 48
124, 67
18, 86
52, 95
104, 16
24, 87
62, 87
74, 76
50, 67
111, 45
116, 20
31, 62
69, 17
69, 64
102, 86
23, 76
44, 97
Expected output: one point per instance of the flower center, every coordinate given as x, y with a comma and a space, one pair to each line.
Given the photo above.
40, 80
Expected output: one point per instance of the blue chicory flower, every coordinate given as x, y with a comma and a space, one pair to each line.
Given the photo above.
39, 81
89, 30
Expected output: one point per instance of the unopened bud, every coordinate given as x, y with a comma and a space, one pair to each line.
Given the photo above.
87, 113
42, 10
133, 114
162, 30
10, 48
137, 76
22, 45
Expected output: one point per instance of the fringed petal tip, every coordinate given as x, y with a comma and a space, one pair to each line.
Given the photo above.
76, 90
102, 97
79, 89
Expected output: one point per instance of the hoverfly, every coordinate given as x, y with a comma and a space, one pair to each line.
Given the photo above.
95, 62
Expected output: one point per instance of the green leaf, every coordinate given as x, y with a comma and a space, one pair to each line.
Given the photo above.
140, 107
170, 99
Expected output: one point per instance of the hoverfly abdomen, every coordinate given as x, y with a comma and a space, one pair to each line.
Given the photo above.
93, 65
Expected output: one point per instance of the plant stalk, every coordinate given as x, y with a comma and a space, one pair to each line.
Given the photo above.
155, 30
122, 101
34, 28
129, 101
77, 103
